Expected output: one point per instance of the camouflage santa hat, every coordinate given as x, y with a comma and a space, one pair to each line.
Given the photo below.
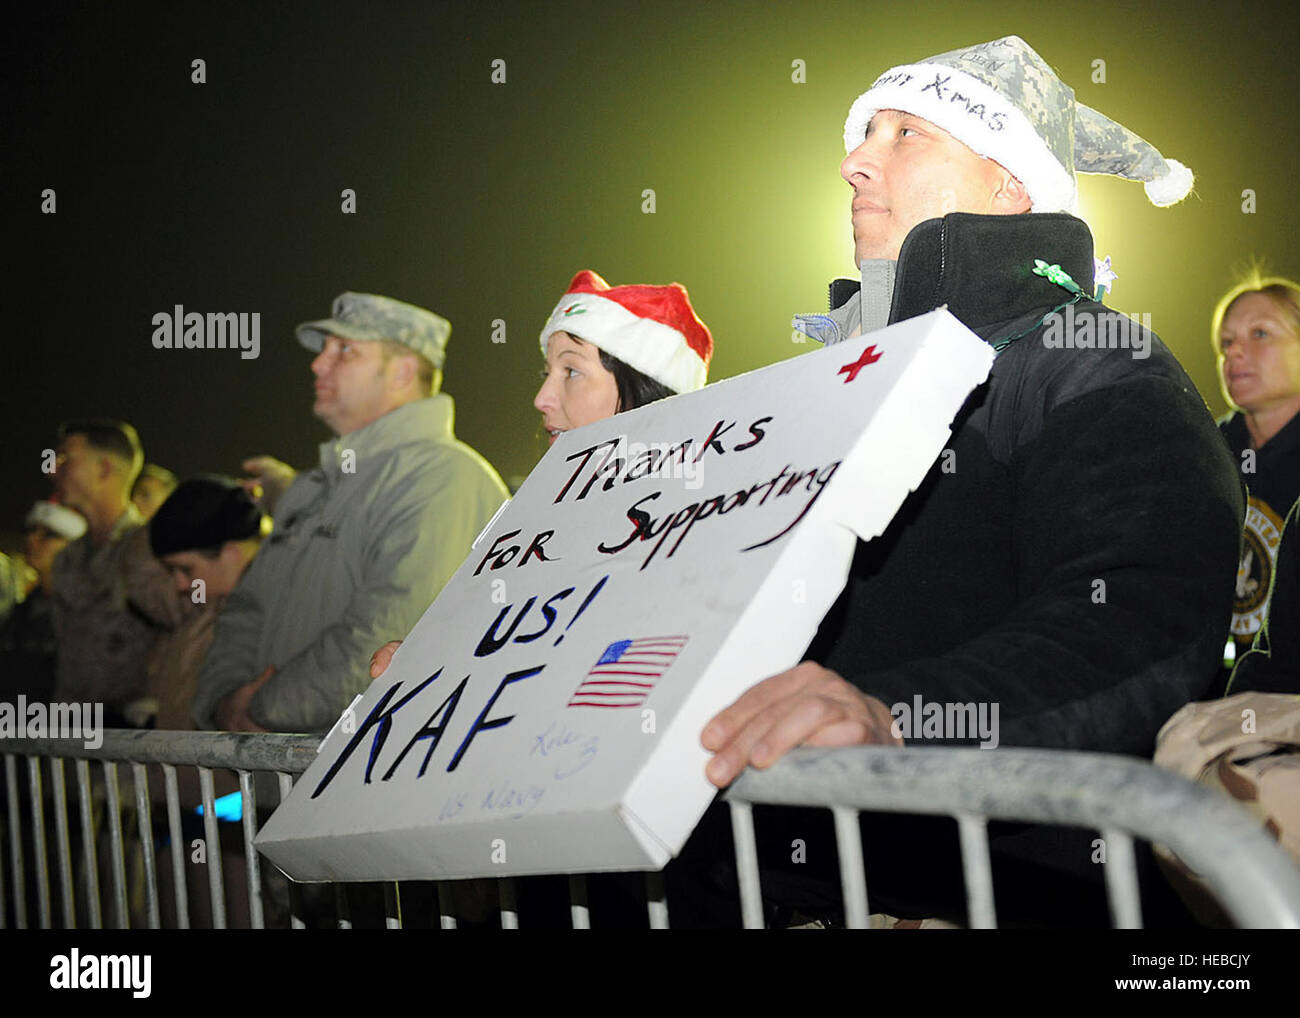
1003, 102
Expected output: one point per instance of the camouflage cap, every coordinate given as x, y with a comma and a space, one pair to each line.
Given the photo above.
368, 317
1004, 102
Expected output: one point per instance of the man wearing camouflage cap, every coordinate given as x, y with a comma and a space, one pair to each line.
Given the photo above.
1071, 562
363, 543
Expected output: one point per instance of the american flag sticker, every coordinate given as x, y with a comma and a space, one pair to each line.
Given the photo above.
627, 671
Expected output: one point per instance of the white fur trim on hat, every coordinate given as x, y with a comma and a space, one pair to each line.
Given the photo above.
974, 114
652, 348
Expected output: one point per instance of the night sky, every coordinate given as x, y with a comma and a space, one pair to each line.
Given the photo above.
481, 200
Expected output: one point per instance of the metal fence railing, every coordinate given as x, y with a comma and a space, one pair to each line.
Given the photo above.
100, 807
142, 863
140, 760
1257, 884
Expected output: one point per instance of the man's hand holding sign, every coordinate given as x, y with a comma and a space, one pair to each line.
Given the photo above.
806, 706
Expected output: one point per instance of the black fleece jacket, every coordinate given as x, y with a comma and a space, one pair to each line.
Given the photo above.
1076, 564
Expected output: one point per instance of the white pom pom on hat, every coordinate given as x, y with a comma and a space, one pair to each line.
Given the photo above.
1173, 187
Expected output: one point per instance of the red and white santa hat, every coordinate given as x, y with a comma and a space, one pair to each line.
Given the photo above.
653, 329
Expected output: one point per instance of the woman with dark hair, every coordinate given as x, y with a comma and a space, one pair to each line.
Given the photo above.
610, 349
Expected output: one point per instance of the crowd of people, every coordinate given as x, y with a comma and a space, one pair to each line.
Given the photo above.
266, 603
255, 604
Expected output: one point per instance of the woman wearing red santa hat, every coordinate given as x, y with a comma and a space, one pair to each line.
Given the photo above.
610, 349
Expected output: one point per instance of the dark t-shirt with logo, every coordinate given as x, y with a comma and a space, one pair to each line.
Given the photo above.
1272, 476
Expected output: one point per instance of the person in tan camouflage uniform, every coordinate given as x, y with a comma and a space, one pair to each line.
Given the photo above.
111, 597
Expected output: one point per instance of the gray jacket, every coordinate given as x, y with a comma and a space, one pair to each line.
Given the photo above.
361, 547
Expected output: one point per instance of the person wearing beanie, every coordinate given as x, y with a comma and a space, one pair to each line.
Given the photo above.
1069, 561
205, 534
609, 349
363, 542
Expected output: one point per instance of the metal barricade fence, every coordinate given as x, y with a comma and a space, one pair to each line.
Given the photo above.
250, 755
1121, 797
281, 755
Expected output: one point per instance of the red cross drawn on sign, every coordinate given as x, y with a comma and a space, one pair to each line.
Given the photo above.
869, 356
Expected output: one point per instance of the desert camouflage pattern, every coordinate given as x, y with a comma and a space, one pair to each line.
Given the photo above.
1246, 746
111, 602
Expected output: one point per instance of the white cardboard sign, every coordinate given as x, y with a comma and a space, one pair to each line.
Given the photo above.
545, 713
